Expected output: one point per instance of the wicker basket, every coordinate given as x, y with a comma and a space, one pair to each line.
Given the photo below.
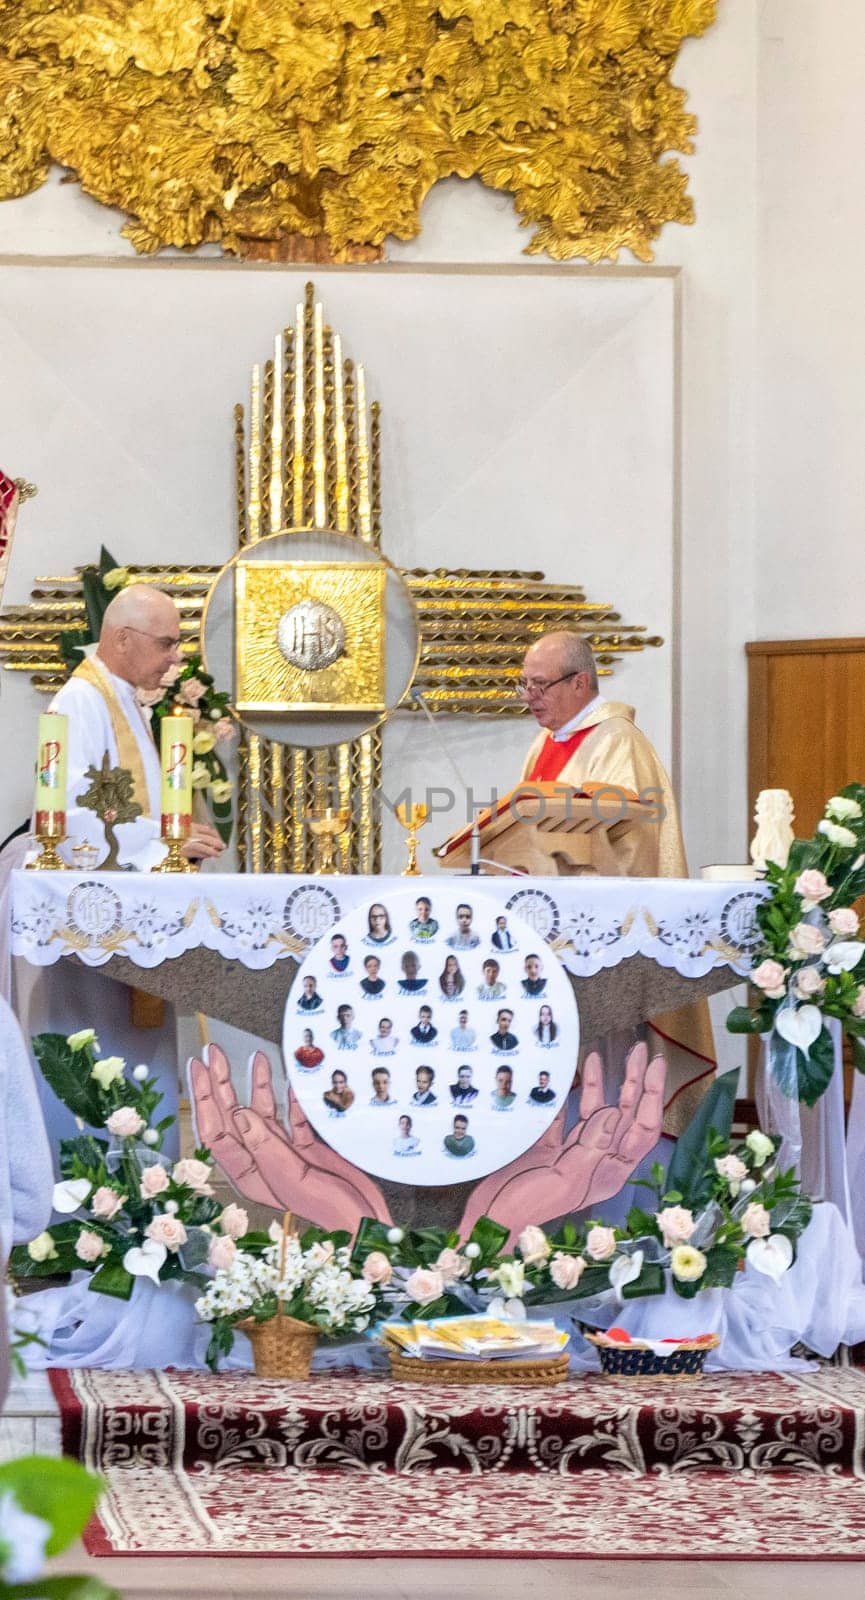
282, 1347
684, 1362
533, 1372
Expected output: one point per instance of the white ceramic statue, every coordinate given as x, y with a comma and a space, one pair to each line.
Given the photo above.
774, 818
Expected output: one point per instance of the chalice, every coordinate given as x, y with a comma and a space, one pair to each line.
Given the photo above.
411, 817
326, 827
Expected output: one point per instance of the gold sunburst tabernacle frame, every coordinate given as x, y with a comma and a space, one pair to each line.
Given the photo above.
312, 132
309, 456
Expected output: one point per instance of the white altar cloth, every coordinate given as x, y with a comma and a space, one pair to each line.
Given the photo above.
592, 923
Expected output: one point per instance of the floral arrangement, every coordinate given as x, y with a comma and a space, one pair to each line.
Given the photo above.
809, 965
188, 687
45, 1503
311, 1279
131, 1212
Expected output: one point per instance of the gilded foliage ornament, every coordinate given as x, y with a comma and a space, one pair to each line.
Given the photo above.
251, 122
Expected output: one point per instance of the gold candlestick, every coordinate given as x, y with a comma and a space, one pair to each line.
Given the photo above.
412, 817
326, 827
49, 838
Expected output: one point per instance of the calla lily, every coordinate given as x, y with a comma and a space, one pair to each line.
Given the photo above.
626, 1269
843, 955
144, 1261
772, 1256
70, 1195
800, 1027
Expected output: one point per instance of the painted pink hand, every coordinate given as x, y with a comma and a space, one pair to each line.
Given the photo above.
292, 1171
593, 1162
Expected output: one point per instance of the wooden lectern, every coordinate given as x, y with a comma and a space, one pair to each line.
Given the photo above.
543, 828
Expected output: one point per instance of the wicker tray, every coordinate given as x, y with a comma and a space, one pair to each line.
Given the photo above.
532, 1372
684, 1362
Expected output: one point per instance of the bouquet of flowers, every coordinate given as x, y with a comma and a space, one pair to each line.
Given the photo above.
192, 690
131, 1213
312, 1279
810, 963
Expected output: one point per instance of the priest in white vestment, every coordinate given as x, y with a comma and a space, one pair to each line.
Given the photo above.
587, 739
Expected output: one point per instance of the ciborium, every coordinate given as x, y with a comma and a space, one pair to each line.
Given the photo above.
327, 827
411, 817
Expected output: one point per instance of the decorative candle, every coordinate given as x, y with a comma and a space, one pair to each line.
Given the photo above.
176, 749
49, 803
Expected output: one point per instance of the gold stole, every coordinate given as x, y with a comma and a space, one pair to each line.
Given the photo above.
128, 753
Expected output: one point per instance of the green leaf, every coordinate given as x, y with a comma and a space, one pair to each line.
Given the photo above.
371, 1235
221, 1342
650, 1281
743, 1020
72, 1587
687, 1169
57, 1490
491, 1236
815, 1070
721, 1267
82, 1157
112, 1278
72, 642
639, 1222
67, 1072
858, 1053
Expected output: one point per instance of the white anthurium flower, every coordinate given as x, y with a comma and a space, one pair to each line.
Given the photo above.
625, 1269
843, 955
772, 1256
70, 1195
800, 1027
507, 1310
144, 1261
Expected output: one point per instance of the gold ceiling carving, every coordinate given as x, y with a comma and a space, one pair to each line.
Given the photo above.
314, 128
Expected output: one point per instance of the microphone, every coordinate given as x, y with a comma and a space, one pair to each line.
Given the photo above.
418, 697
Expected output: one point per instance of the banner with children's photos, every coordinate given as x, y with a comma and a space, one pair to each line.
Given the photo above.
425, 1047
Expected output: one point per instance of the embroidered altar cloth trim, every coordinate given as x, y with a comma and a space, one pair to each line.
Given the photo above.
592, 923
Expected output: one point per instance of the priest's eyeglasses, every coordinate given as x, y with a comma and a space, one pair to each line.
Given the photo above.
527, 686
158, 638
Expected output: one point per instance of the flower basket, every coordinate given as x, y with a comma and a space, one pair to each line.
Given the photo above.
534, 1372
685, 1361
282, 1347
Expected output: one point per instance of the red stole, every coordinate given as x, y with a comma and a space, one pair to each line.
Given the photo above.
554, 755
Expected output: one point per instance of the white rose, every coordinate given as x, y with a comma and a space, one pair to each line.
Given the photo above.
771, 977
534, 1246
106, 1203
234, 1221
760, 1146
425, 1285
154, 1181
168, 1231
42, 1248
687, 1263
200, 775
809, 983
221, 1253
755, 1221
732, 1170
377, 1267
512, 1277
813, 886
108, 1071
125, 1122
806, 941
451, 1265
843, 809
844, 920
195, 1175
566, 1271
81, 1039
601, 1243
676, 1224
843, 837
90, 1246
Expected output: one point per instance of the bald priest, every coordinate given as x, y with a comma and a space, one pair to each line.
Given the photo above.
587, 739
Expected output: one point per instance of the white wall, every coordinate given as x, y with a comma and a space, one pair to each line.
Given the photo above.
464, 223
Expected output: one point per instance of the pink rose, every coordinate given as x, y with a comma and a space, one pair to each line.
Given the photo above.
170, 675
809, 983
106, 1203
601, 1243
377, 1268
191, 691
770, 977
234, 1221
451, 1265
813, 888
806, 941
425, 1285
149, 697
154, 1181
566, 1271
858, 1007
90, 1246
844, 920
733, 1170
194, 1174
168, 1231
534, 1246
125, 1122
676, 1224
755, 1221
225, 730
221, 1253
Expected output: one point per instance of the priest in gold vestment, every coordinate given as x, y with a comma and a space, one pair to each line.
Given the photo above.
586, 739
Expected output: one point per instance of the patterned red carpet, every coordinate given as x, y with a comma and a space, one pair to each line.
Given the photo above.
761, 1466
